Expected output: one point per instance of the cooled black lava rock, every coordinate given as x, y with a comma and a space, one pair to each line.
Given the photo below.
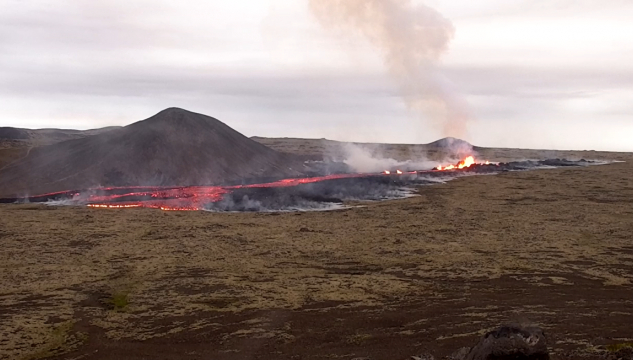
423, 357
511, 342
459, 354
563, 162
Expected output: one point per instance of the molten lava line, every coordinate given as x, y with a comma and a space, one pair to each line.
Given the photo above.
192, 198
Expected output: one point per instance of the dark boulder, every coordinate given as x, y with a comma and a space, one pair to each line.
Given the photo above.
423, 357
459, 354
511, 342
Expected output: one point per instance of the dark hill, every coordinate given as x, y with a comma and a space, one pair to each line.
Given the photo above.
39, 137
174, 147
9, 133
450, 143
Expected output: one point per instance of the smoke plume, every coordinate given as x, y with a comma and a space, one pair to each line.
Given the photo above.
361, 160
411, 38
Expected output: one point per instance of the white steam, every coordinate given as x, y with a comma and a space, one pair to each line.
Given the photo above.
455, 149
411, 38
362, 160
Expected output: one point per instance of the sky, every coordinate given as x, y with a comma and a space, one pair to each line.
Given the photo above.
554, 74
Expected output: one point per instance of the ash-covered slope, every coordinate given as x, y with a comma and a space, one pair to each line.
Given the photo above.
172, 148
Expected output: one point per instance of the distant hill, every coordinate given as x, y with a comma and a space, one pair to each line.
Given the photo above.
450, 143
9, 133
174, 147
317, 149
39, 137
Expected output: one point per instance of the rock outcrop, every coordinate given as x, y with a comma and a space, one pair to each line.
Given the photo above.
511, 342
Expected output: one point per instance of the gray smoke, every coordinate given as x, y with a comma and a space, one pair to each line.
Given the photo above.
360, 159
411, 38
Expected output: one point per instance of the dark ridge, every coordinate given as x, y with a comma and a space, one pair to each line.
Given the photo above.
9, 133
449, 142
39, 137
175, 147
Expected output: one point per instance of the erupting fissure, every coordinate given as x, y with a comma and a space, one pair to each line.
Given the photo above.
466, 163
190, 198
194, 198
282, 194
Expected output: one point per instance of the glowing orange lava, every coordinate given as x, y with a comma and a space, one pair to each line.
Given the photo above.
192, 198
187, 198
466, 163
398, 172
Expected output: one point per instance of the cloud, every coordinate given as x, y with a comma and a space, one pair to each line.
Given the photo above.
88, 64
545, 82
525, 8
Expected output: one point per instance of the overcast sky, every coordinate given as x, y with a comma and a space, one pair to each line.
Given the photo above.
534, 73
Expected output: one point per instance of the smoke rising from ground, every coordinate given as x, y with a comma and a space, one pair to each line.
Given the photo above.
362, 160
455, 149
411, 38
371, 158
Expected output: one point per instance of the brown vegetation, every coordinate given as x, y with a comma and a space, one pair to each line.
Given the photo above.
381, 280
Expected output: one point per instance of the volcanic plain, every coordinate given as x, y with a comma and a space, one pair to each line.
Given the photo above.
377, 280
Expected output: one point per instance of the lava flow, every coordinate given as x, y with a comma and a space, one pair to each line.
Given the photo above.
190, 198
397, 172
283, 194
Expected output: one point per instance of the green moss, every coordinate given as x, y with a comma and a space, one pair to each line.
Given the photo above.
618, 347
119, 300
358, 339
